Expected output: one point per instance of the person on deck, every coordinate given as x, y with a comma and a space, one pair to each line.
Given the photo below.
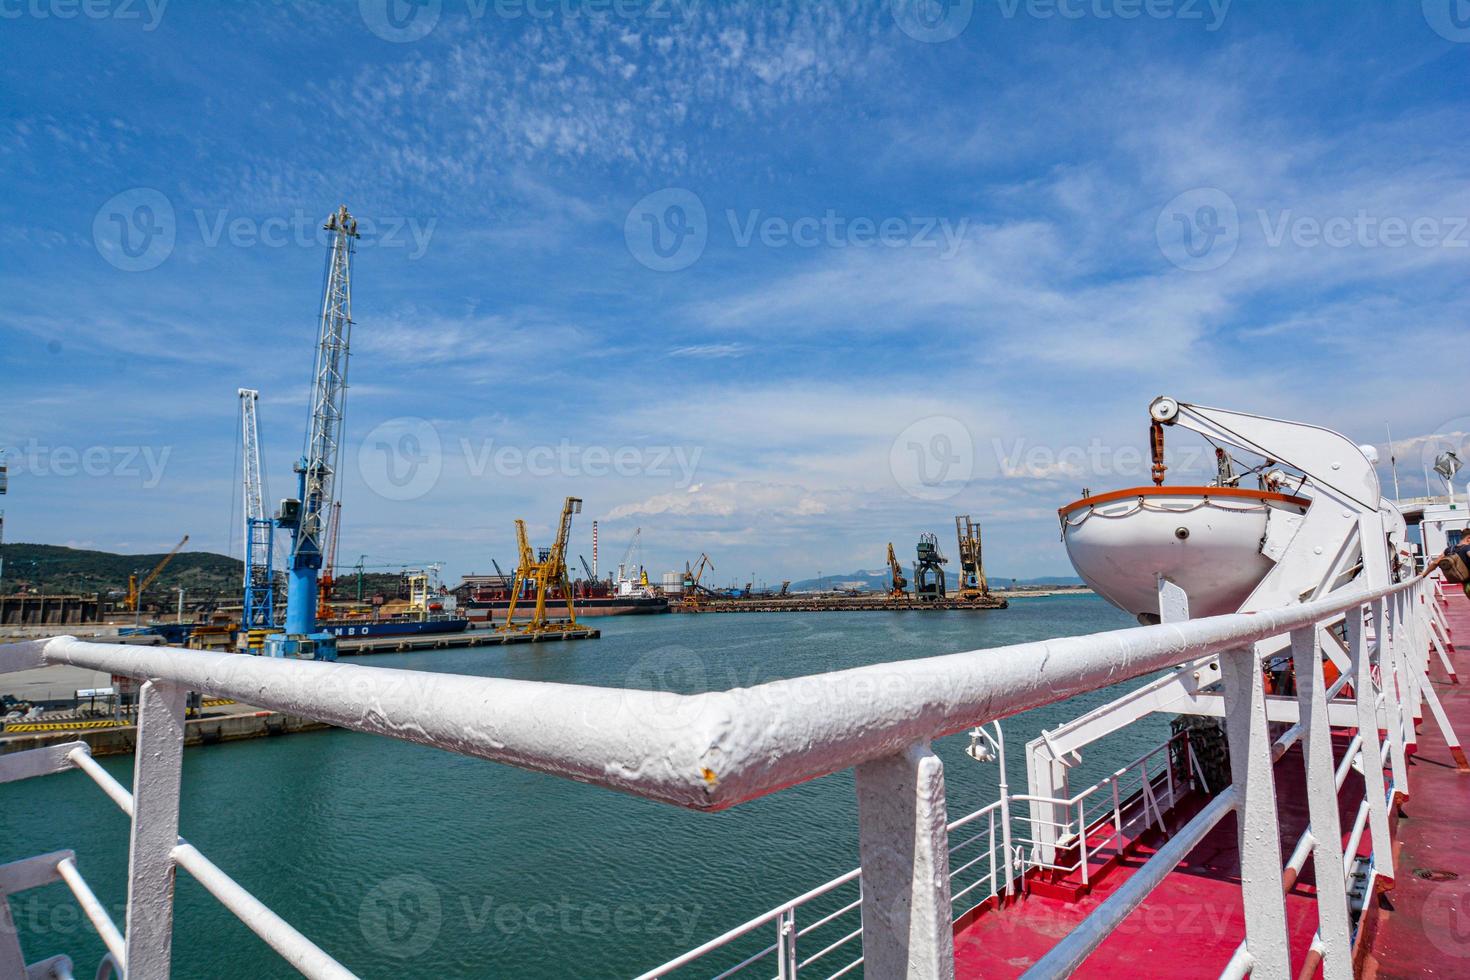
1455, 563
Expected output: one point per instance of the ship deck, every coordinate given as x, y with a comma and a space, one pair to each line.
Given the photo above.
1192, 923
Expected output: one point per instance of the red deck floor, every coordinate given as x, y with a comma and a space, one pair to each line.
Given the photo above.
1192, 923
1422, 927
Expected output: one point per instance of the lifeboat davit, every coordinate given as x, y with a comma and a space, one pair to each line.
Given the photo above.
1215, 543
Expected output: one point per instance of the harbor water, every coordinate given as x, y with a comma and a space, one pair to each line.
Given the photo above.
402, 860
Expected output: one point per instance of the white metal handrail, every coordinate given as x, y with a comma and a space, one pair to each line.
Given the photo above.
715, 750
990, 854
704, 751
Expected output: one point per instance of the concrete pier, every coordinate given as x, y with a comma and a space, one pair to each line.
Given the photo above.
869, 603
106, 737
483, 637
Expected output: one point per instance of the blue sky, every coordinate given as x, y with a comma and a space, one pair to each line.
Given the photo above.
776, 282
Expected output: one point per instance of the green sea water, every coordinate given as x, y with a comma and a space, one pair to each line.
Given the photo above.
404, 861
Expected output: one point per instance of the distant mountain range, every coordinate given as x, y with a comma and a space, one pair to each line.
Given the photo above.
877, 581
56, 570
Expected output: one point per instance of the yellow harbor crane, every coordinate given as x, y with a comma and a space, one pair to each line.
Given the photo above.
973, 584
136, 588
550, 570
692, 588
897, 585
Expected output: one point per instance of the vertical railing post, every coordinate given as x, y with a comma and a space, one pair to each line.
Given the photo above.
1082, 842
786, 945
1117, 812
157, 765
990, 837
1005, 832
1258, 832
1407, 660
1395, 698
904, 845
1326, 828
1367, 704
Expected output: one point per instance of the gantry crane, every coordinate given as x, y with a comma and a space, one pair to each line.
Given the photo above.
929, 569
545, 573
692, 588
972, 568
136, 589
306, 516
897, 585
258, 610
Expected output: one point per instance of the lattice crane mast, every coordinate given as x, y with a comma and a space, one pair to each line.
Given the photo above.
136, 588
258, 610
897, 585
627, 561
692, 588
316, 470
329, 563
972, 566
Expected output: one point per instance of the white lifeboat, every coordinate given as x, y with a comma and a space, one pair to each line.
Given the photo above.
1212, 542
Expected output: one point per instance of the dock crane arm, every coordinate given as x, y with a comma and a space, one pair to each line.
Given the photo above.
136, 588
628, 554
898, 585
554, 569
525, 569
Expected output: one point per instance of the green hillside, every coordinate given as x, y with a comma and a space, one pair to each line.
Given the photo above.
65, 571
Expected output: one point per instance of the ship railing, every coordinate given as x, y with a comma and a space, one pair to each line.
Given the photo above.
983, 871
721, 749
1106, 815
980, 870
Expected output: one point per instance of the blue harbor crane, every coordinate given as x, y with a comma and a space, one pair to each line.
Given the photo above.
259, 609
305, 516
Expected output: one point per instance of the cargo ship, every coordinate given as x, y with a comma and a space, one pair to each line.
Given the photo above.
486, 598
430, 609
395, 627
